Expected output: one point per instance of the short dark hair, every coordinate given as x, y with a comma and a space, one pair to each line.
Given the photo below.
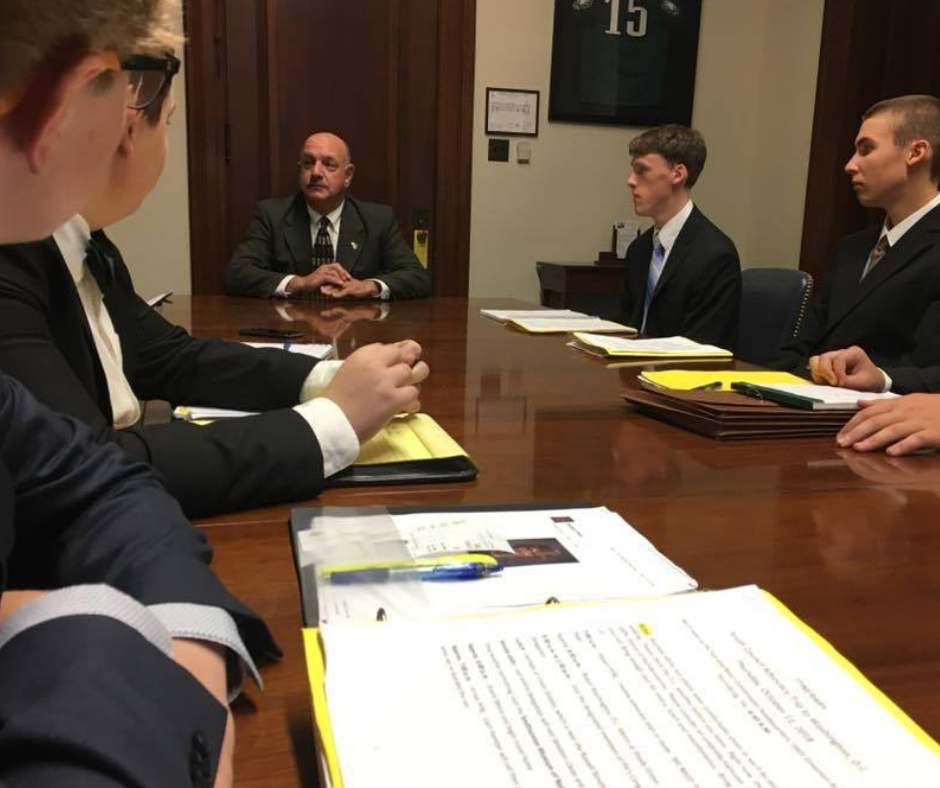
676, 144
917, 117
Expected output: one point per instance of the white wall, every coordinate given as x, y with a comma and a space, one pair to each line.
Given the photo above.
154, 241
754, 97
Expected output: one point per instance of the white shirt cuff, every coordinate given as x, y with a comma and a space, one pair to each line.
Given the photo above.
319, 378
86, 600
888, 382
384, 292
211, 625
281, 289
338, 440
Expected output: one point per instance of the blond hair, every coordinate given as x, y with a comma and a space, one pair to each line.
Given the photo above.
33, 32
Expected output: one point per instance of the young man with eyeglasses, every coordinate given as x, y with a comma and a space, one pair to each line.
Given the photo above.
96, 686
96, 363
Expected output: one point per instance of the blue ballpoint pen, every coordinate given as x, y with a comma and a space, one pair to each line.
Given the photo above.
455, 570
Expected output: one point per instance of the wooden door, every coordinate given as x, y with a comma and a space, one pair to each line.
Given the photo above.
392, 77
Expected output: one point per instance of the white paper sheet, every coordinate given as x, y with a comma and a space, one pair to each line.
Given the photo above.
708, 689
537, 314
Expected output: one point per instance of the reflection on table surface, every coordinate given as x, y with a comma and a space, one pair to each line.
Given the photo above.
847, 540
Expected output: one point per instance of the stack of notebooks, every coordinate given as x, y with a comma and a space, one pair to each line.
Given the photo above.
628, 676
733, 404
554, 321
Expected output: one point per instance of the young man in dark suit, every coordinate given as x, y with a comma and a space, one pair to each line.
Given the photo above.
95, 364
682, 277
890, 319
103, 681
882, 293
321, 240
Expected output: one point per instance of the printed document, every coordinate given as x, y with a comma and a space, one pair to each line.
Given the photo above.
722, 688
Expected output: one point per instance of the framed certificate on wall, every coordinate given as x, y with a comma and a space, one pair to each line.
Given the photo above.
624, 62
512, 112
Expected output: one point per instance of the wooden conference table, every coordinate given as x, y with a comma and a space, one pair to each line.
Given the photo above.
850, 542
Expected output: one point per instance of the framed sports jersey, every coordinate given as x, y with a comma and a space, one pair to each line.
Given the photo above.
625, 62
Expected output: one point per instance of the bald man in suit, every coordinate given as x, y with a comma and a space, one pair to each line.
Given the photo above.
321, 240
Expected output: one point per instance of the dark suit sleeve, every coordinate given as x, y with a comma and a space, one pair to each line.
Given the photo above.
917, 369
252, 271
87, 702
399, 268
170, 364
234, 464
86, 514
84, 699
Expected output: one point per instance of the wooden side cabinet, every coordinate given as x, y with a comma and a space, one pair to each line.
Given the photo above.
586, 287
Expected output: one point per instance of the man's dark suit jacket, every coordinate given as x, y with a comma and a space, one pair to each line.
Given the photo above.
84, 699
893, 314
46, 344
699, 291
370, 246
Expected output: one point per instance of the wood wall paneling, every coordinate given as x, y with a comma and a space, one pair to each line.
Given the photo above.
393, 78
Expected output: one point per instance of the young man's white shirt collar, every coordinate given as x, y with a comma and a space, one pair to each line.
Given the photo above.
670, 230
895, 233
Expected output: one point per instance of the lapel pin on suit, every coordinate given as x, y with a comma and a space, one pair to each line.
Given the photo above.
353, 245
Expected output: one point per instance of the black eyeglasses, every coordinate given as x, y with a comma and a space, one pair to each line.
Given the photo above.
148, 75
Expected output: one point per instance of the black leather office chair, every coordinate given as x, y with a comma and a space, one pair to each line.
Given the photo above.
773, 302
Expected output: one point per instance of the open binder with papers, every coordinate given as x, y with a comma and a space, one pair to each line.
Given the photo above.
705, 688
567, 553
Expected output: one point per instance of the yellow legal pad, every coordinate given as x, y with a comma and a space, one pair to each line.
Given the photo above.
689, 379
408, 449
406, 438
